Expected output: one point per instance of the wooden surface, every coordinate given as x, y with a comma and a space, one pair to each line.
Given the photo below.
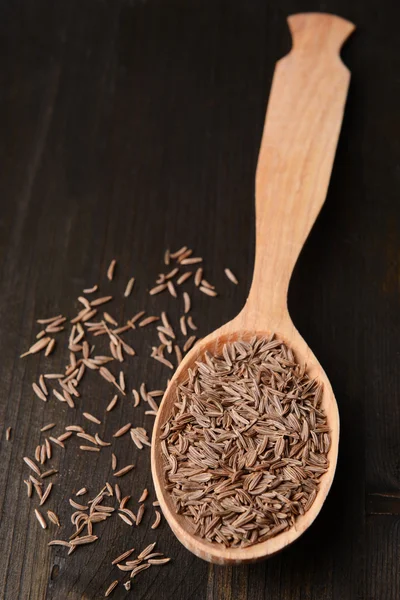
129, 126
301, 130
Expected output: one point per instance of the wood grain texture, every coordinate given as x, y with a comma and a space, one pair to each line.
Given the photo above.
126, 126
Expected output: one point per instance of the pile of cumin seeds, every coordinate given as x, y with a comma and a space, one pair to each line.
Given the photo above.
246, 443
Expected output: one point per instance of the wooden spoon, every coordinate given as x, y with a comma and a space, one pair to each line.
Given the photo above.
301, 131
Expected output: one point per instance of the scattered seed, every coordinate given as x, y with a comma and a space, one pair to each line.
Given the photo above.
64, 436
125, 519
8, 433
136, 398
187, 301
122, 430
184, 277
90, 417
191, 324
113, 461
113, 402
122, 556
171, 289
100, 441
43, 385
56, 441
89, 448
100, 301
189, 343
53, 518
42, 343
46, 494
50, 320
81, 492
231, 276
32, 465
198, 276
207, 291
148, 320
157, 520
129, 287
48, 473
122, 381
140, 514
110, 319
123, 471
111, 269
144, 495
41, 519
158, 561
91, 290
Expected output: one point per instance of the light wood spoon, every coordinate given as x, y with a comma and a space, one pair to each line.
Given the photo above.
301, 131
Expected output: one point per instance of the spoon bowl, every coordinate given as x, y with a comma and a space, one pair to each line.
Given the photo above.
237, 330
301, 131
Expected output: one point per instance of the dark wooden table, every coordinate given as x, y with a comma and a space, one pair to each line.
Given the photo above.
127, 127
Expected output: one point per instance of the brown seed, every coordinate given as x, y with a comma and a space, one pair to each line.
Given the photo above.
90, 417
148, 320
164, 361
122, 381
91, 290
187, 301
50, 320
207, 291
56, 441
77, 505
157, 520
231, 276
191, 324
144, 553
100, 441
125, 519
39, 345
158, 561
122, 556
122, 430
157, 289
41, 334
29, 490
64, 436
129, 287
198, 276
110, 319
191, 261
123, 471
140, 514
49, 473
113, 402
138, 569
189, 343
43, 385
111, 269
182, 322
46, 494
100, 301
32, 465
113, 461
41, 519
50, 347
59, 543
48, 426
178, 354
144, 495
8, 433
89, 448
171, 289
53, 518
81, 492
136, 398
184, 277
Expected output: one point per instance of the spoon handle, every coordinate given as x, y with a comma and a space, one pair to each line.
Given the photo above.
301, 131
